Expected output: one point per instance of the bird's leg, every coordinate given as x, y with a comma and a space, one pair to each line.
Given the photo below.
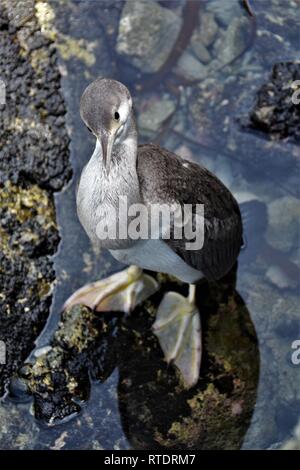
178, 329
121, 292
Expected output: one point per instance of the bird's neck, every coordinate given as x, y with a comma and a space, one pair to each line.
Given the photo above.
124, 154
122, 179
125, 149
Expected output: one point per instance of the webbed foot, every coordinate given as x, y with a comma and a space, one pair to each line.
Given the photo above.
178, 329
121, 292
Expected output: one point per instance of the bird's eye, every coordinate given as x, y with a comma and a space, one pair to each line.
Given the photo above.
89, 129
116, 116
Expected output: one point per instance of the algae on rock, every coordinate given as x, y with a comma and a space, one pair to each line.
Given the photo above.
34, 162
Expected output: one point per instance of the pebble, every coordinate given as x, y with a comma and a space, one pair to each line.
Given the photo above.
147, 33
224, 11
208, 28
156, 112
232, 42
199, 48
190, 68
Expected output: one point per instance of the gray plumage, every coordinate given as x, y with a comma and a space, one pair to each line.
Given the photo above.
150, 174
179, 180
154, 178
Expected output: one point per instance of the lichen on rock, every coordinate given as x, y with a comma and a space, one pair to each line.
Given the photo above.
275, 112
34, 162
156, 409
59, 377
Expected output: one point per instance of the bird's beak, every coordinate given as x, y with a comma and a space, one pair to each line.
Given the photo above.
107, 141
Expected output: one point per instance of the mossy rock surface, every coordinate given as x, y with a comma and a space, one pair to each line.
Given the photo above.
156, 410
34, 162
159, 413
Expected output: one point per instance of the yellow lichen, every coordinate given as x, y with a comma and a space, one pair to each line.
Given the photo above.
38, 58
72, 384
44, 288
69, 48
26, 203
4, 241
45, 16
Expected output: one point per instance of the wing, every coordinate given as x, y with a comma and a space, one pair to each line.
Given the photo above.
166, 178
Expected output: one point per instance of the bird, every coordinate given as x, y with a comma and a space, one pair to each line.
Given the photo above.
148, 175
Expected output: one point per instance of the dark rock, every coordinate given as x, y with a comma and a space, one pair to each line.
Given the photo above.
34, 162
156, 410
82, 346
24, 306
274, 112
35, 148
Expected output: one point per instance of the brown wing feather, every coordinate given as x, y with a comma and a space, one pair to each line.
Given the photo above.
193, 184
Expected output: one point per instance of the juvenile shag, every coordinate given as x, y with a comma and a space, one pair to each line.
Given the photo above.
148, 174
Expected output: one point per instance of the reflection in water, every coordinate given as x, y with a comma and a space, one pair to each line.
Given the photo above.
156, 410
157, 413
141, 404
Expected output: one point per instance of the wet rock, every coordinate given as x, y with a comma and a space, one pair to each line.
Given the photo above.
203, 102
53, 388
55, 405
283, 229
224, 11
155, 113
19, 11
18, 391
194, 63
232, 41
208, 28
34, 162
189, 67
147, 33
27, 221
88, 345
274, 112
28, 235
36, 149
77, 329
24, 306
199, 49
213, 117
59, 377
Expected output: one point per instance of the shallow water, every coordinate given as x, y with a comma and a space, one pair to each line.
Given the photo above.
206, 126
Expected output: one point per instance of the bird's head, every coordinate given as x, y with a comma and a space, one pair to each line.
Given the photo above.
106, 110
